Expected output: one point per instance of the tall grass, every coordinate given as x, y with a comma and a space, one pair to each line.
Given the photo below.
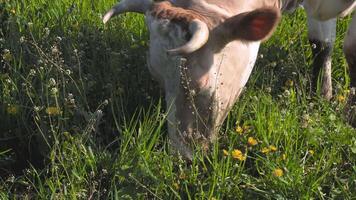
81, 118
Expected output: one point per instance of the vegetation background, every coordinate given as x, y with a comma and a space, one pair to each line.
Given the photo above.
81, 118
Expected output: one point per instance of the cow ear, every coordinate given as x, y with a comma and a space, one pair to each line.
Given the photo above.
252, 26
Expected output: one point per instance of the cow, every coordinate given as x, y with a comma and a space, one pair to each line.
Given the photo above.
202, 53
322, 17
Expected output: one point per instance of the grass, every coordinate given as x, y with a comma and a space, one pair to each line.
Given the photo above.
78, 95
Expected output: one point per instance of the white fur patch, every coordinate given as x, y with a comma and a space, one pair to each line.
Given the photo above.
254, 47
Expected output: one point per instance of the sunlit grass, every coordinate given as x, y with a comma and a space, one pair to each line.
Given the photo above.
78, 94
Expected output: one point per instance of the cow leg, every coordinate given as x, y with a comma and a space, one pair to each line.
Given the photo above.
350, 53
322, 36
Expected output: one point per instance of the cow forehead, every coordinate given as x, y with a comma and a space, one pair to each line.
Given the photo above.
166, 35
232, 63
226, 8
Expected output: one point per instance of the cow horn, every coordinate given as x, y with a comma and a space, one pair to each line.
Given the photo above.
200, 35
139, 6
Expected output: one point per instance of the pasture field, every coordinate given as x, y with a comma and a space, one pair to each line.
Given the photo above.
81, 118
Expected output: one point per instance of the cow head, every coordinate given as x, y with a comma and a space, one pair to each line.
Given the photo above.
202, 59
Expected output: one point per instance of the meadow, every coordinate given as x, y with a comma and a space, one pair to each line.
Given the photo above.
81, 117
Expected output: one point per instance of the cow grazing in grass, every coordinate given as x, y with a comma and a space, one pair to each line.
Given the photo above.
202, 52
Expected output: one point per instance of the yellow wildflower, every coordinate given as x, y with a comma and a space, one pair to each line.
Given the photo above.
252, 141
237, 154
284, 156
176, 186
311, 152
226, 153
272, 148
12, 109
239, 130
13, 11
278, 172
341, 98
53, 111
265, 150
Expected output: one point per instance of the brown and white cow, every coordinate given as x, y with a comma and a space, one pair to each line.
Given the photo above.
202, 52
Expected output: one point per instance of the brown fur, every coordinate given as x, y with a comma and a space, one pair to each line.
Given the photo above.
165, 10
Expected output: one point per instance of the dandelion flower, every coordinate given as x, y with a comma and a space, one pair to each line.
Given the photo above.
252, 141
272, 148
239, 130
226, 153
311, 152
53, 111
284, 156
265, 150
237, 154
341, 98
278, 172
